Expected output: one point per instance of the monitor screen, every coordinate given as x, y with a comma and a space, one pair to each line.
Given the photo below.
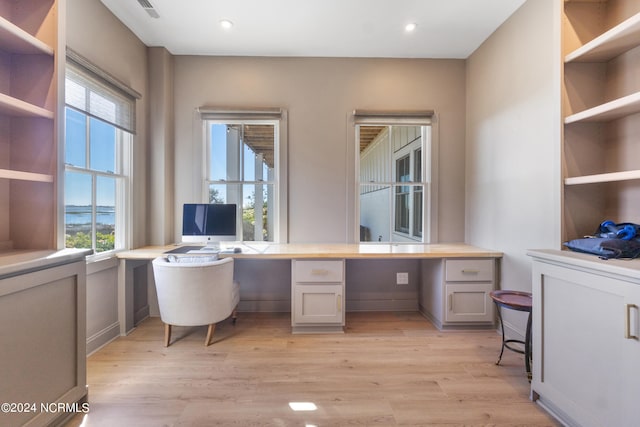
208, 222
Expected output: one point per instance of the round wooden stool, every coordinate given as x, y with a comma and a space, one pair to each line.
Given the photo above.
519, 301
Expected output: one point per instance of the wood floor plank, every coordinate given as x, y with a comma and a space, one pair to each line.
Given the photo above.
387, 369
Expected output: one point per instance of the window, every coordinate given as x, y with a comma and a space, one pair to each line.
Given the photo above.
243, 167
99, 123
402, 194
393, 185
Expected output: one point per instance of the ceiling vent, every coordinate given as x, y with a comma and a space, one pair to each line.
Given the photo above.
149, 8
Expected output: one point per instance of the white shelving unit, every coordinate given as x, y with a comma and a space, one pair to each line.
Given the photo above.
42, 290
15, 40
29, 74
610, 44
609, 111
601, 114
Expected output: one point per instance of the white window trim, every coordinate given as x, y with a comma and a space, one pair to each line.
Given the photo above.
123, 193
275, 116
124, 201
430, 144
410, 150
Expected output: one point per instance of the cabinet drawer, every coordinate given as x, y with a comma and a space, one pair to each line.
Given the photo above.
318, 271
469, 270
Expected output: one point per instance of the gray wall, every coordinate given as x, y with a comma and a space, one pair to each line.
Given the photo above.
319, 94
513, 182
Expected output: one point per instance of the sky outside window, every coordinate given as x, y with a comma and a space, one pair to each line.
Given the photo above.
103, 146
75, 151
102, 156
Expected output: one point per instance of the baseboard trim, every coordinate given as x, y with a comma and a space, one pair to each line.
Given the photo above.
282, 306
140, 315
381, 305
98, 340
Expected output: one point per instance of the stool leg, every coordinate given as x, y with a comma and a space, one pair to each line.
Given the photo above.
502, 329
527, 348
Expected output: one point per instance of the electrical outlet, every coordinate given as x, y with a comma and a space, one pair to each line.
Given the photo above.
402, 278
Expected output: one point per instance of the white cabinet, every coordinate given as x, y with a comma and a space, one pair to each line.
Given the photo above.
467, 285
457, 292
43, 329
317, 295
586, 350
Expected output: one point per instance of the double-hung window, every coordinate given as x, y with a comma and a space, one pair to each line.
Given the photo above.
243, 165
394, 176
99, 127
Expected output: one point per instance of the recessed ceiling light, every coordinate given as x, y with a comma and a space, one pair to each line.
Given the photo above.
226, 24
410, 27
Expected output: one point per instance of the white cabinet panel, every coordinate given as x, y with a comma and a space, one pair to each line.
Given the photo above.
43, 330
318, 304
585, 345
469, 302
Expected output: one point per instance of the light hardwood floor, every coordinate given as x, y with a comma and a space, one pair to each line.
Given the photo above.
387, 369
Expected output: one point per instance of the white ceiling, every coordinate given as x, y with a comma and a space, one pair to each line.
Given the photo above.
321, 28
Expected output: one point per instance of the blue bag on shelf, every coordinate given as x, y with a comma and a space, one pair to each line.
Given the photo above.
623, 230
606, 247
610, 240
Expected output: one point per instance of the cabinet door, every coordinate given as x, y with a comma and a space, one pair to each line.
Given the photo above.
584, 351
468, 302
318, 304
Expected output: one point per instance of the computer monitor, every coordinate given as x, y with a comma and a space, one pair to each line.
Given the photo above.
208, 223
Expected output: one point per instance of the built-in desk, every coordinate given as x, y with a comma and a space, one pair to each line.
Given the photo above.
449, 283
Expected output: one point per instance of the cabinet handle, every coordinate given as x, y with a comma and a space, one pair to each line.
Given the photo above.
627, 322
319, 272
450, 302
470, 271
339, 302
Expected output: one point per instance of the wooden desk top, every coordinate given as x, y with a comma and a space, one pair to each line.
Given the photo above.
332, 250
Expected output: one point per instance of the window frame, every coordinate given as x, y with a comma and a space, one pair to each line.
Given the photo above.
429, 166
273, 116
124, 143
80, 71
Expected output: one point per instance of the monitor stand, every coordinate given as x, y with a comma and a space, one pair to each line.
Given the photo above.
210, 247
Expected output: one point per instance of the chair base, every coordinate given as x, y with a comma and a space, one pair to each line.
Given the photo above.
207, 340
210, 331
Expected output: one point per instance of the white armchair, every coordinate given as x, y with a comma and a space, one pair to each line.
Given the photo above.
195, 291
